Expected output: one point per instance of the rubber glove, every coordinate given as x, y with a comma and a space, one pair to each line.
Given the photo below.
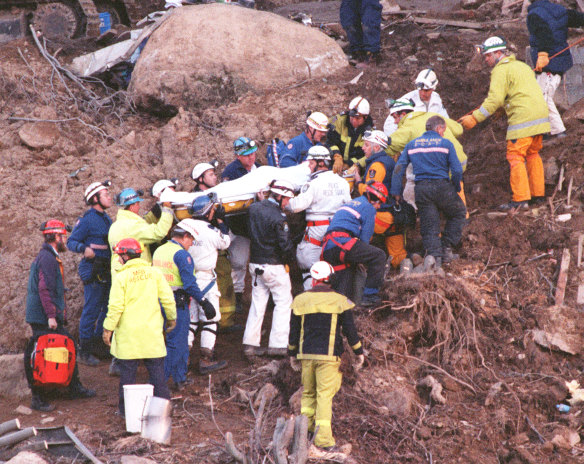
338, 164
208, 309
358, 363
468, 121
543, 60
295, 364
170, 325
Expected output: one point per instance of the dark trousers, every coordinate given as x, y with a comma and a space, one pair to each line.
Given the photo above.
37, 331
96, 295
361, 20
435, 197
176, 364
155, 368
361, 253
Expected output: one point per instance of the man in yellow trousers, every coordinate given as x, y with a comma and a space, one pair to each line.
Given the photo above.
319, 316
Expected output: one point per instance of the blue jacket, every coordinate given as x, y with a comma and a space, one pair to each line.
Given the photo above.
296, 150
91, 231
388, 164
356, 217
46, 292
432, 157
235, 170
548, 25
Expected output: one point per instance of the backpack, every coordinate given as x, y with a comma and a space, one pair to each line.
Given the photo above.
52, 360
274, 151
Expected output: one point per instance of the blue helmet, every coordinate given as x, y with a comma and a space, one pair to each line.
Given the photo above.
244, 146
202, 205
128, 197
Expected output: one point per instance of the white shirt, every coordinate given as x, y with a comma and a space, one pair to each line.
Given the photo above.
208, 240
434, 105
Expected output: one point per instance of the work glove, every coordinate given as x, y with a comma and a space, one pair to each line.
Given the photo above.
295, 364
338, 164
107, 337
208, 309
219, 212
543, 60
468, 121
358, 363
170, 325
287, 268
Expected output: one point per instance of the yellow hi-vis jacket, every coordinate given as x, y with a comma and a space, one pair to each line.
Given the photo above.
413, 125
513, 87
134, 311
163, 259
130, 225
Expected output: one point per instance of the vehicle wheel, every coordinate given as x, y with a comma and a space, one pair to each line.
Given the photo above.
56, 20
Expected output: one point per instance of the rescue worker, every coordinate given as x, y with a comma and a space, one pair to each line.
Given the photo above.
272, 251
548, 25
320, 197
345, 137
135, 320
204, 251
153, 215
89, 237
46, 309
205, 178
361, 20
513, 86
315, 346
412, 124
424, 97
346, 244
438, 174
176, 265
314, 133
245, 149
129, 224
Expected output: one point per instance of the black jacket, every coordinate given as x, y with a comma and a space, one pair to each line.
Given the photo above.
269, 234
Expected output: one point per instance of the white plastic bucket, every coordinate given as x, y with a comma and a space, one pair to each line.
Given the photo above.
135, 399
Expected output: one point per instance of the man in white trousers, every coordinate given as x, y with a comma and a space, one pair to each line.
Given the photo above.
320, 197
271, 252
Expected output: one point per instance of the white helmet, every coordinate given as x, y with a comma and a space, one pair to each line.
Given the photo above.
359, 105
426, 80
188, 225
321, 270
318, 153
201, 169
401, 104
376, 136
282, 187
94, 189
162, 185
318, 121
492, 44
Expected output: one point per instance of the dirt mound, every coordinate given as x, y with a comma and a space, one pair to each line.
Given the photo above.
225, 58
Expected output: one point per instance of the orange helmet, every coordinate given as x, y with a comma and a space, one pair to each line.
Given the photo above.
54, 226
128, 246
377, 189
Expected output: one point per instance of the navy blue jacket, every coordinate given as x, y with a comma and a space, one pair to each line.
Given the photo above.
432, 157
388, 163
235, 170
548, 25
91, 231
296, 150
46, 292
356, 217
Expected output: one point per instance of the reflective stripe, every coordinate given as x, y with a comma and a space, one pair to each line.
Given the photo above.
95, 246
307, 411
524, 125
428, 150
484, 112
350, 210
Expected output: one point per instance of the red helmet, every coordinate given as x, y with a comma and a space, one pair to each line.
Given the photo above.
128, 246
53, 226
377, 189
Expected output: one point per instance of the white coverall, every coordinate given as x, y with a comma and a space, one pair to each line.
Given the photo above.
208, 240
434, 105
321, 197
276, 280
238, 257
549, 83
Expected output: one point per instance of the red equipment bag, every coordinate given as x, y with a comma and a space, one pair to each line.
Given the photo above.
53, 360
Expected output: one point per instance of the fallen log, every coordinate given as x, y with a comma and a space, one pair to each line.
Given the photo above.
450, 22
9, 426
16, 437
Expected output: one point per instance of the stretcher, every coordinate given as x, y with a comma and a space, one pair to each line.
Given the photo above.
238, 194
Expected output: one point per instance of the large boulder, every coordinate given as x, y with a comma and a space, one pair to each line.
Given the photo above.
208, 55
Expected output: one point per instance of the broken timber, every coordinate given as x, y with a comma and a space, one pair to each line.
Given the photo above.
562, 278
450, 22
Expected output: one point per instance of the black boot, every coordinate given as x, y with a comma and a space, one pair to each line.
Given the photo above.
39, 404
85, 355
208, 363
239, 303
76, 390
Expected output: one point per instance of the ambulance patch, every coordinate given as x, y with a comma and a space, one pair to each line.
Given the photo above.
371, 173
290, 146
